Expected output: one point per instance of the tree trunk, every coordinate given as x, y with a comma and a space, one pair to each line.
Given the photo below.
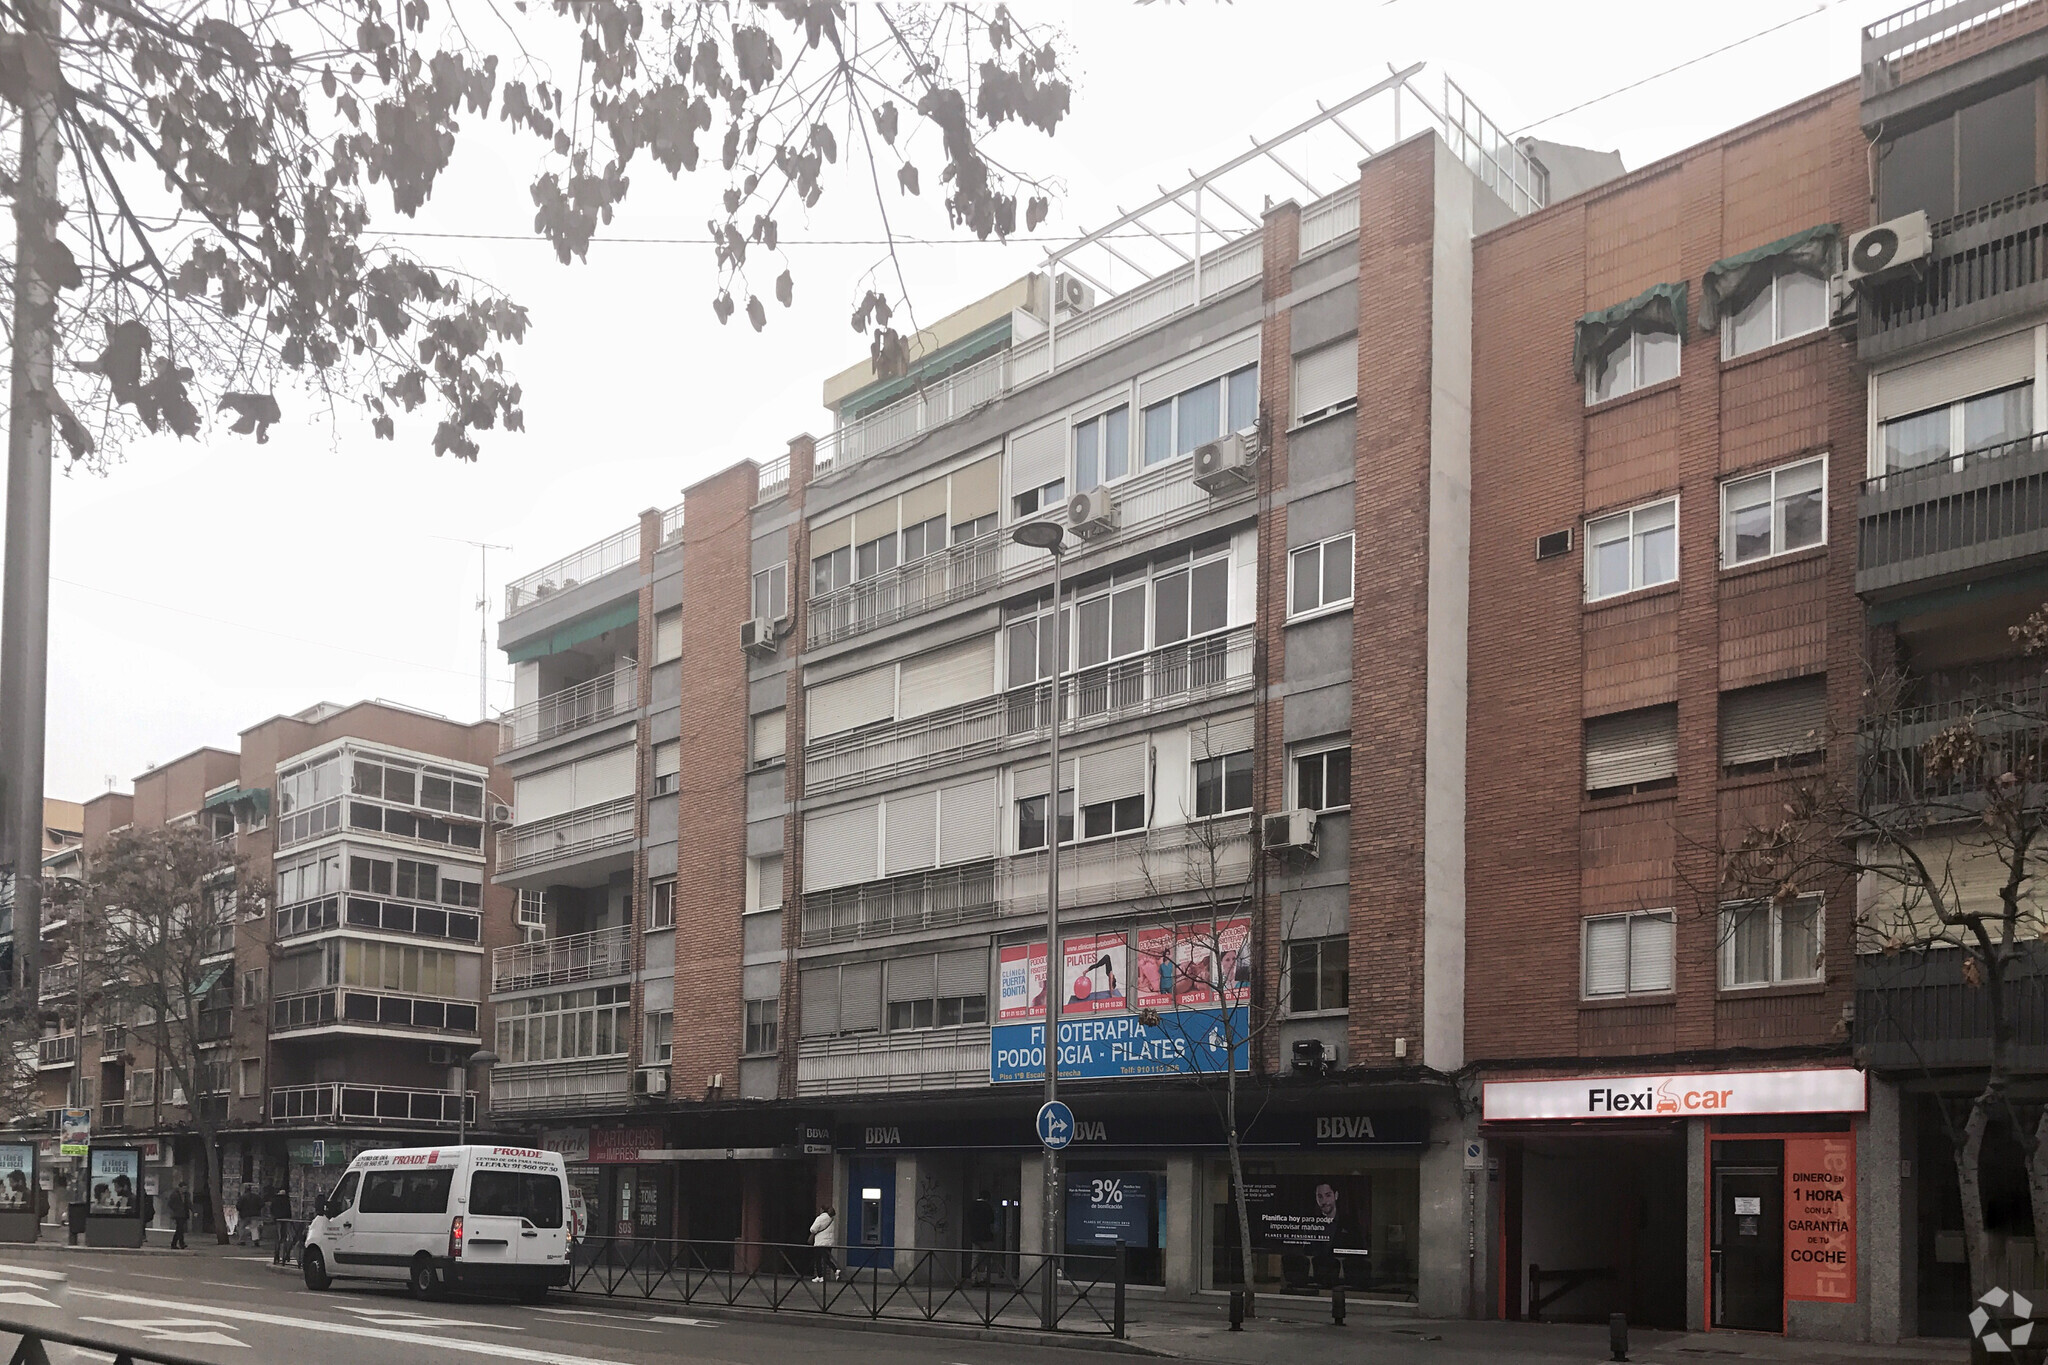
1976, 1241
209, 1143
1244, 1224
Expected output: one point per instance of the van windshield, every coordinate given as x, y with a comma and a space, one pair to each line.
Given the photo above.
514, 1194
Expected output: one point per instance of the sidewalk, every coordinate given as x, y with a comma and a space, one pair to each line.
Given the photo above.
1292, 1331
158, 1243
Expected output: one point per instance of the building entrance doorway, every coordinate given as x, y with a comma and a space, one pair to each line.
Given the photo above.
1748, 1232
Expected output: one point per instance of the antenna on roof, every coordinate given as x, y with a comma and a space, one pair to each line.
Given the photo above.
483, 618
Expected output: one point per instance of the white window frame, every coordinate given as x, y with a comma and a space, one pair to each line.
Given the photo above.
776, 579
668, 636
1816, 975
1322, 549
1133, 456
244, 1069
1592, 545
1222, 762
1316, 750
1666, 914
661, 903
1636, 383
750, 1028
1778, 332
1728, 559
1959, 449
659, 1044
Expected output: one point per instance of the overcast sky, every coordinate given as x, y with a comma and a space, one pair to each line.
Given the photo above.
203, 587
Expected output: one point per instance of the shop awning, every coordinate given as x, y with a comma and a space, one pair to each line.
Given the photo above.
1732, 284
1661, 307
575, 633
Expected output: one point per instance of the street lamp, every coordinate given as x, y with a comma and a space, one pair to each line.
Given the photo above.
485, 1059
1048, 536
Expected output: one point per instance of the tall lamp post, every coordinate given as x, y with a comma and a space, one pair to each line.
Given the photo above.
485, 1059
1047, 535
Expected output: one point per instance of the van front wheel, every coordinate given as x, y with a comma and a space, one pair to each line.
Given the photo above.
422, 1281
315, 1267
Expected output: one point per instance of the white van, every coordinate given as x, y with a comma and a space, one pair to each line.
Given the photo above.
435, 1217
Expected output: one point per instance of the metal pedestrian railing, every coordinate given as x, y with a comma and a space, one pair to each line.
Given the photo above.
36, 1340
976, 1287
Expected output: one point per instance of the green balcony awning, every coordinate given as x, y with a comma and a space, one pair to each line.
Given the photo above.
256, 798
1732, 284
1661, 307
575, 633
209, 981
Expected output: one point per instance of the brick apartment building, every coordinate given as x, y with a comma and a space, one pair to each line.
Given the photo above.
343, 1000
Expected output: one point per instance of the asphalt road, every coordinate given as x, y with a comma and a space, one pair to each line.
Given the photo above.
240, 1312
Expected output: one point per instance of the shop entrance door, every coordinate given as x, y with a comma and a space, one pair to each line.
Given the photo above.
1749, 1236
870, 1216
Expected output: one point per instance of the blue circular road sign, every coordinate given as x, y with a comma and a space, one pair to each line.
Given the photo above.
1055, 1125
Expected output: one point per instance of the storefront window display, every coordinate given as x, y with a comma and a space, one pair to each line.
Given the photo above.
1319, 1221
1112, 1201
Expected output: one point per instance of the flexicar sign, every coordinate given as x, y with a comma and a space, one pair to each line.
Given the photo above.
1835, 1090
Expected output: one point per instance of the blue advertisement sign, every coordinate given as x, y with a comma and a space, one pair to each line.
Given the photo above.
1109, 1046
1107, 1207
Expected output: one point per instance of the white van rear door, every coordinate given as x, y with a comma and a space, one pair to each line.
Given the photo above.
516, 1214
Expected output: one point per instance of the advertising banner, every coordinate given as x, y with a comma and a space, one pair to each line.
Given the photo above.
1309, 1213
1096, 975
1833, 1090
622, 1144
1107, 1207
1185, 1042
1020, 982
1184, 966
1820, 1217
572, 1143
74, 1132
114, 1182
17, 1175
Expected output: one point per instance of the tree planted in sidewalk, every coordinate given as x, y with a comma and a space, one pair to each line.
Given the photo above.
162, 917
223, 169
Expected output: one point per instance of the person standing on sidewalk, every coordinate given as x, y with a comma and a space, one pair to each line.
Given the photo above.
281, 1215
824, 1236
181, 1214
250, 1209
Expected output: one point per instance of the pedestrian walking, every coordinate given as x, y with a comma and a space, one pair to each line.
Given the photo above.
181, 1214
250, 1210
824, 1236
289, 1232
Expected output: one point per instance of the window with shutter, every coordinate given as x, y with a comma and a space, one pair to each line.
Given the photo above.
1113, 774
839, 848
668, 767
668, 636
1167, 384
849, 703
1038, 458
949, 677
1229, 735
820, 996
976, 491
771, 735
912, 832
967, 822
1632, 751
1777, 725
860, 997
911, 978
1326, 379
1627, 954
964, 972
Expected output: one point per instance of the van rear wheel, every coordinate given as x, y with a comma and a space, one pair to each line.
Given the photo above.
315, 1267
422, 1281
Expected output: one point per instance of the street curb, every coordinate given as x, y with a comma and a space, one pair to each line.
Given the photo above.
957, 1331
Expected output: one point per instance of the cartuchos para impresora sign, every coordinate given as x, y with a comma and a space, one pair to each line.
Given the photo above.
1834, 1090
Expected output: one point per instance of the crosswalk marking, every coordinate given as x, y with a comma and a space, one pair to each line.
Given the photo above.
201, 1331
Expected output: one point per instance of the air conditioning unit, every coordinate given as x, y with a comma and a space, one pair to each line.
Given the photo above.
1889, 247
757, 636
501, 814
651, 1081
1289, 829
1092, 513
1072, 296
1223, 463
440, 1054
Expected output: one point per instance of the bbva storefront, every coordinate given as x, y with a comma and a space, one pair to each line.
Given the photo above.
1761, 1201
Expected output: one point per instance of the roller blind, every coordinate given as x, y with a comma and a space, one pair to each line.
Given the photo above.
668, 758
977, 489
1038, 456
833, 535
870, 523
922, 504
1649, 953
860, 997
839, 848
771, 549
1943, 379
1606, 957
1180, 378
820, 995
851, 702
1632, 748
967, 821
668, 636
1777, 720
1112, 774
762, 981
911, 978
606, 777
544, 794
912, 831
1325, 377
1230, 735
771, 735
949, 677
1031, 781
963, 973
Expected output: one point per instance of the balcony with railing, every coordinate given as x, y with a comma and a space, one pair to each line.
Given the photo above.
2011, 724
57, 981
572, 1087
345, 1009
1987, 264
1922, 38
1916, 1011
1170, 676
1979, 514
59, 1051
616, 551
342, 1104
572, 709
557, 961
1204, 856
575, 834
